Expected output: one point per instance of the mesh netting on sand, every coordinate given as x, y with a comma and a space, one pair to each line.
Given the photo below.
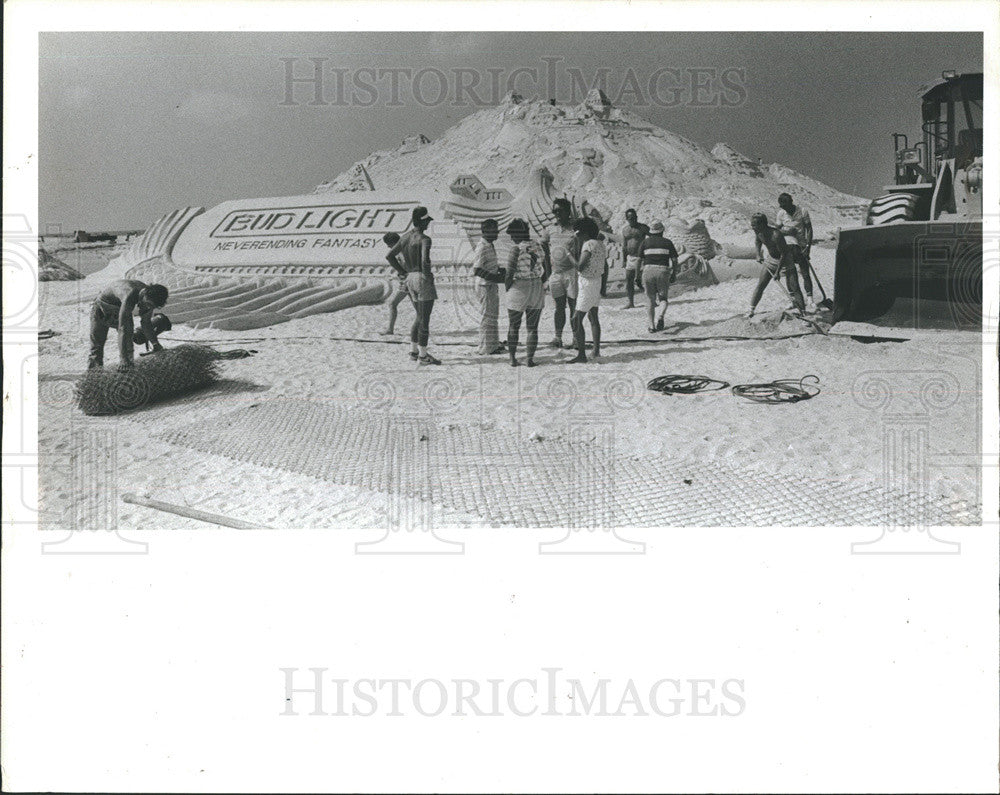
554, 482
169, 373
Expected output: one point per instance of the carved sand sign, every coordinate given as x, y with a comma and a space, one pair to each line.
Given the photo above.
342, 229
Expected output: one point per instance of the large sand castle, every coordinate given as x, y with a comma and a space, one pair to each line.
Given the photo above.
609, 157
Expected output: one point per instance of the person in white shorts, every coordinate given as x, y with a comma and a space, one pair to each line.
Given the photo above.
590, 267
560, 246
632, 236
659, 269
525, 297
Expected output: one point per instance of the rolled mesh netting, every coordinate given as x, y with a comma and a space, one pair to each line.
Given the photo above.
169, 373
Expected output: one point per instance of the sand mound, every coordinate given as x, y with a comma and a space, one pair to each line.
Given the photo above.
52, 269
607, 156
768, 325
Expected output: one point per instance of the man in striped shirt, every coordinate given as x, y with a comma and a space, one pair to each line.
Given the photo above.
658, 262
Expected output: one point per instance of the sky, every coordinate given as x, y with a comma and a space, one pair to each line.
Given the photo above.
133, 125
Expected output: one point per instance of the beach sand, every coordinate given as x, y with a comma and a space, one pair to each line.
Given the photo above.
868, 392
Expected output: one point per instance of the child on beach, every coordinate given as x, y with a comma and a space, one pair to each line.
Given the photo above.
526, 274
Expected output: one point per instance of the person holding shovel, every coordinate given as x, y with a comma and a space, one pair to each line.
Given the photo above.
796, 226
775, 255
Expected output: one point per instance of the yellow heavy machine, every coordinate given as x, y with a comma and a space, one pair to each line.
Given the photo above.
923, 239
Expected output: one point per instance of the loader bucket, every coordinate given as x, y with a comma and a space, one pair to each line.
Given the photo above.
931, 263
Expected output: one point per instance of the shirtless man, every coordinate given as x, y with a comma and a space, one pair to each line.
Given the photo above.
559, 245
415, 248
633, 234
774, 254
116, 307
796, 225
391, 239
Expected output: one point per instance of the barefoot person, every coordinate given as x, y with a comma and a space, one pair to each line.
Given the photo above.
526, 275
658, 260
796, 225
632, 236
488, 276
415, 248
559, 245
590, 266
391, 239
774, 254
116, 307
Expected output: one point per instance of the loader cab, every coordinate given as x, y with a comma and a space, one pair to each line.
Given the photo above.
952, 127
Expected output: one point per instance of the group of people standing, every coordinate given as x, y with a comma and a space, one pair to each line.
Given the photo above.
570, 259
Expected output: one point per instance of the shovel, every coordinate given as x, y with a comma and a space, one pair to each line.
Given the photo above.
826, 303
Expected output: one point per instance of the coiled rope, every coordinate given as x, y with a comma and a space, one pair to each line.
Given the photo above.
685, 384
785, 390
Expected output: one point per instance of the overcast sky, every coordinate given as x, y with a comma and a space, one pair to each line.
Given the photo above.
133, 125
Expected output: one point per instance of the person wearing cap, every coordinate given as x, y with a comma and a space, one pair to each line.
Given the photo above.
658, 260
116, 308
525, 277
488, 276
632, 236
390, 239
796, 225
773, 253
415, 248
559, 243
590, 267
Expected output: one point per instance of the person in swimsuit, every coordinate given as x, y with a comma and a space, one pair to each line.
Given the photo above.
632, 236
560, 247
774, 254
391, 239
116, 307
526, 275
415, 248
590, 267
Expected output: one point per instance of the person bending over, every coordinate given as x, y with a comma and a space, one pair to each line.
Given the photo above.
116, 307
526, 275
415, 248
774, 255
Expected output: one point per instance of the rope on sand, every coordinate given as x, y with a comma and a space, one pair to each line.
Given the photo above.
785, 390
685, 384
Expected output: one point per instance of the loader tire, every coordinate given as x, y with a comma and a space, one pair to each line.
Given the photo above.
893, 208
